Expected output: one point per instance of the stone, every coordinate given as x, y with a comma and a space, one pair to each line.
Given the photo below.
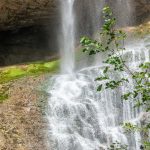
142, 10
22, 13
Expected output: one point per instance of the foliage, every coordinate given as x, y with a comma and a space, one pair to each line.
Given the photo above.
116, 62
146, 145
112, 46
117, 146
129, 127
132, 128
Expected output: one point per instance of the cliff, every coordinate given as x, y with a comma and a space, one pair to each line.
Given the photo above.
22, 13
29, 29
142, 10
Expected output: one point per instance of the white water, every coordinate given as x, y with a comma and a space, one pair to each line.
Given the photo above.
68, 36
81, 118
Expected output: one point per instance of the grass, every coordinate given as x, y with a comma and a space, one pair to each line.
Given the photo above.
12, 73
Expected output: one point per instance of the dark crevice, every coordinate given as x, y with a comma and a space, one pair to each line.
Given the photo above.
27, 44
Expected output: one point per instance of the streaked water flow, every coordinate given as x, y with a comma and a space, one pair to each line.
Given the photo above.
67, 41
81, 118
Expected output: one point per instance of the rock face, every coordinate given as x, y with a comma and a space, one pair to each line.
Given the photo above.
21, 13
29, 28
28, 44
142, 10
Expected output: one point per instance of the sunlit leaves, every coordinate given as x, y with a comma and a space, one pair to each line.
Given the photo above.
107, 11
129, 127
116, 62
146, 145
145, 65
109, 21
126, 96
114, 84
91, 46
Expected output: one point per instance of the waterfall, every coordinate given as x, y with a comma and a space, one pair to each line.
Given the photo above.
79, 117
68, 36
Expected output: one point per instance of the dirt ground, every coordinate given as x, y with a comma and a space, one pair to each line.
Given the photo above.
22, 125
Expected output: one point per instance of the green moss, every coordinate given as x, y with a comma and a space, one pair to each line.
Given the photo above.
10, 73
3, 96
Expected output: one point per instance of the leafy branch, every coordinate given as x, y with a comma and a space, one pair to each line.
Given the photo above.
112, 43
113, 46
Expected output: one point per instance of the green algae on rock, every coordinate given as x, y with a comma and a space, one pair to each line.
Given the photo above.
9, 74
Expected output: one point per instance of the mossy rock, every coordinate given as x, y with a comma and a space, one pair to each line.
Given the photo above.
8, 74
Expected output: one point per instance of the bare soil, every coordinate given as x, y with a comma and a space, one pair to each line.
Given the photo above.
22, 125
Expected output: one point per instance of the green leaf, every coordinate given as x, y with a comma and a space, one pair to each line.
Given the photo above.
145, 65
124, 79
126, 96
84, 50
82, 39
92, 52
106, 70
101, 78
135, 94
138, 104
99, 88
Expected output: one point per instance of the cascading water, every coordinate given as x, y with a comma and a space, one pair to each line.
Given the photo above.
68, 36
81, 118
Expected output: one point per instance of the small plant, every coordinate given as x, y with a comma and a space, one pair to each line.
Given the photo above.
113, 47
117, 146
116, 63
